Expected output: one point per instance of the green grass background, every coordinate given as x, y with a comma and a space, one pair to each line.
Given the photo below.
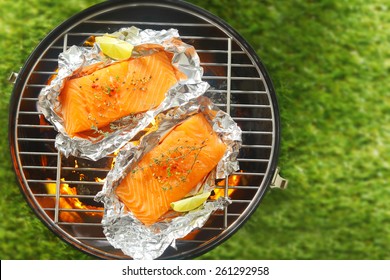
329, 61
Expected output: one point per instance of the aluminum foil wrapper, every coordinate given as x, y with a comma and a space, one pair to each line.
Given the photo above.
72, 60
122, 229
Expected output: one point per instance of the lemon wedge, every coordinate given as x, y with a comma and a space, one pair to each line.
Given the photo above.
114, 48
190, 203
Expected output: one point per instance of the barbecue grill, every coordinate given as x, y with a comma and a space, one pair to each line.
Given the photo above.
60, 190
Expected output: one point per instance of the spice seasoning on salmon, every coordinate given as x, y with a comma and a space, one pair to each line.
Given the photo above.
171, 169
103, 95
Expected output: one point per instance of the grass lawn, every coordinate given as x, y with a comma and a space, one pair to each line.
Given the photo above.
330, 64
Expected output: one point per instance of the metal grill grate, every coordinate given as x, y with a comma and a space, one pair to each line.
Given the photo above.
239, 86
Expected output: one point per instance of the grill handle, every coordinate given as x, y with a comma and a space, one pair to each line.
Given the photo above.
12, 77
278, 181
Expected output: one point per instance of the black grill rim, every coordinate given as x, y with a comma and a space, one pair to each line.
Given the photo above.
51, 36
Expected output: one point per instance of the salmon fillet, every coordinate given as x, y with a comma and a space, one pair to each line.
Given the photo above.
104, 95
172, 169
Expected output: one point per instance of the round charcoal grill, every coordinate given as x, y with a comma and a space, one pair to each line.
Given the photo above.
60, 190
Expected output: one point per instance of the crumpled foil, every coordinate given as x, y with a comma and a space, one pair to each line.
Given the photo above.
122, 229
184, 58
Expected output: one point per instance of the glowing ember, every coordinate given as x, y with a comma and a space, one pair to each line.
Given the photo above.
191, 235
233, 180
113, 160
89, 42
71, 203
100, 180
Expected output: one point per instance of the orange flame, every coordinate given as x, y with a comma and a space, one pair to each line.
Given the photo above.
233, 180
71, 203
100, 180
113, 160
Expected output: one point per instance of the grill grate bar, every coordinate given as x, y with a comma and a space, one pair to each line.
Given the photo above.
79, 224
83, 182
213, 228
89, 169
65, 195
39, 167
58, 185
36, 85
49, 59
256, 146
257, 132
34, 126
252, 119
89, 238
41, 181
29, 99
228, 100
232, 78
38, 153
29, 113
244, 173
230, 214
57, 210
65, 44
66, 182
252, 160
45, 72
226, 64
238, 91
250, 106
36, 140
122, 22
219, 51
185, 241
84, 169
87, 34
241, 187
243, 105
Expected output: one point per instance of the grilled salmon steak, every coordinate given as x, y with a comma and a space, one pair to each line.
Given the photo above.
172, 169
103, 95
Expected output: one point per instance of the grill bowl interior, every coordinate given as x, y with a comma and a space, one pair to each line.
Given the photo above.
240, 86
